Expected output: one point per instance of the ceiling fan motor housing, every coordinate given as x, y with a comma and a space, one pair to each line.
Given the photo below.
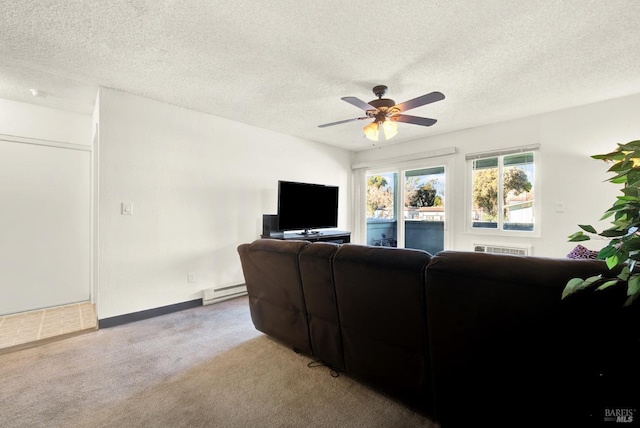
382, 104
383, 109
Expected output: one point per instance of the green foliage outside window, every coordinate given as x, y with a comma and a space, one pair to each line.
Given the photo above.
379, 197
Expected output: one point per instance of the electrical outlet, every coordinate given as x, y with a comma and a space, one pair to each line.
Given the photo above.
191, 277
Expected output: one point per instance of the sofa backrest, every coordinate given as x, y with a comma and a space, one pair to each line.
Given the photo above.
276, 300
501, 337
316, 270
380, 295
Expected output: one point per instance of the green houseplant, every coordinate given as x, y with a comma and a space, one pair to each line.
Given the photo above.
623, 249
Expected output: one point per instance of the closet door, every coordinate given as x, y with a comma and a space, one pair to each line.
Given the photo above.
45, 226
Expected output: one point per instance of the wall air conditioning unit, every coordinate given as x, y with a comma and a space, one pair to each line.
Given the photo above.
500, 249
218, 294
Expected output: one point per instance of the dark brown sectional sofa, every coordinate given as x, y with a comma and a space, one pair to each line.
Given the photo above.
468, 338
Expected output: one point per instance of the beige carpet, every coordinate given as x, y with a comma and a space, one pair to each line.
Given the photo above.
204, 367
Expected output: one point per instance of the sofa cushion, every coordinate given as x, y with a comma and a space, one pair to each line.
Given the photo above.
317, 284
380, 295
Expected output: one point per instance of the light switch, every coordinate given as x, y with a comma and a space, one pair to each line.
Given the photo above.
127, 208
559, 207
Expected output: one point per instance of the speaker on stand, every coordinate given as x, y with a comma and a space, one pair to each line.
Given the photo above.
269, 224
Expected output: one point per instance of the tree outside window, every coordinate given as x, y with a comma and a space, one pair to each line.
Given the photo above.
380, 196
424, 194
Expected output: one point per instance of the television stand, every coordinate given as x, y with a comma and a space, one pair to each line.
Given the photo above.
335, 236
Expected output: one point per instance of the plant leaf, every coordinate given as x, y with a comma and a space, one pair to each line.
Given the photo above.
621, 221
612, 261
620, 166
621, 175
610, 233
617, 206
578, 236
633, 286
631, 191
628, 198
607, 251
631, 298
615, 155
624, 274
607, 284
630, 146
633, 176
632, 244
571, 285
587, 228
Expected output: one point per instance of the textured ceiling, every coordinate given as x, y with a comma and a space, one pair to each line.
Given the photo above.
284, 64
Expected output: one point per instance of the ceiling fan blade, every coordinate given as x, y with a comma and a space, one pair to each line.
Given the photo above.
424, 121
420, 101
358, 103
343, 121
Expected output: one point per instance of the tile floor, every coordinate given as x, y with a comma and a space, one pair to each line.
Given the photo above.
26, 329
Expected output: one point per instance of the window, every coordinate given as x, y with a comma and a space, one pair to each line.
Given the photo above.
503, 192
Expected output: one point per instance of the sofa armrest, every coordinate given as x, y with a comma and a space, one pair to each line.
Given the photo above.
276, 300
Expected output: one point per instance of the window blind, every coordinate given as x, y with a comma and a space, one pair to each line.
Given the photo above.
502, 152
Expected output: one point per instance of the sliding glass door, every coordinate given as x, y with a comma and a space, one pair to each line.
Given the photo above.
406, 208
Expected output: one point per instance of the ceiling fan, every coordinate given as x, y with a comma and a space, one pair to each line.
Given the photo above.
385, 113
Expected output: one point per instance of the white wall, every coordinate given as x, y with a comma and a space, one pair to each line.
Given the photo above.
45, 221
568, 175
29, 120
199, 185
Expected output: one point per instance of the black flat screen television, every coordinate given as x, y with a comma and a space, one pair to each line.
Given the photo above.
305, 206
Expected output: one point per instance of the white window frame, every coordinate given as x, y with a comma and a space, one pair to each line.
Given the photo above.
537, 202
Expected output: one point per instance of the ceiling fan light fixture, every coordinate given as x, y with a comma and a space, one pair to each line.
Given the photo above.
390, 129
371, 131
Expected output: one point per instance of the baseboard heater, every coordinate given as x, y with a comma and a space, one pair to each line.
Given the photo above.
500, 249
218, 294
